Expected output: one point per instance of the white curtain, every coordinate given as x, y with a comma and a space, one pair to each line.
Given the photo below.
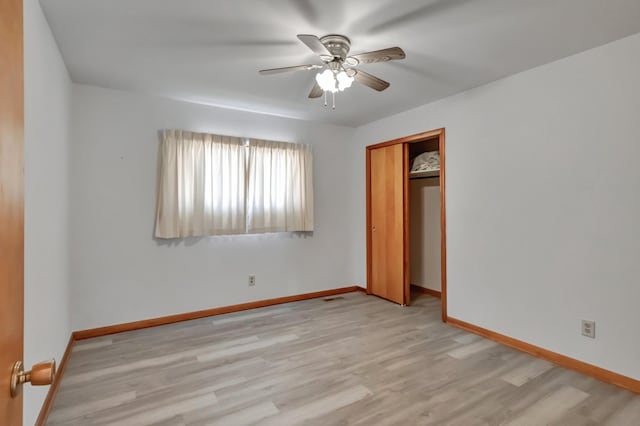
215, 185
201, 189
280, 187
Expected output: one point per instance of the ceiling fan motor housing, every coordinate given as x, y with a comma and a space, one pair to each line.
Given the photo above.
338, 45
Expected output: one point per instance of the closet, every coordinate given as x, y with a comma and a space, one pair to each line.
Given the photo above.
406, 235
424, 217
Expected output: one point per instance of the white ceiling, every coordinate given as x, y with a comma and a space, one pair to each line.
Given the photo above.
210, 51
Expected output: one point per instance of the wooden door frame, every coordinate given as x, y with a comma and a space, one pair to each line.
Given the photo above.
11, 204
419, 137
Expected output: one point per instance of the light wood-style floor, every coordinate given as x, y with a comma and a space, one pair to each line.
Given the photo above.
354, 360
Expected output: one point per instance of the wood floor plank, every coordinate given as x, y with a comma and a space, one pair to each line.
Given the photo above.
158, 361
248, 316
88, 345
247, 416
466, 339
247, 347
356, 360
319, 407
628, 415
521, 375
155, 410
550, 408
471, 349
75, 411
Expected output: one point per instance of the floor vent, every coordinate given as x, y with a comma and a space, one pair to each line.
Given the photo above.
331, 299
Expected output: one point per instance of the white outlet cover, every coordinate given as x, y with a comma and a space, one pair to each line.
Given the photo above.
589, 329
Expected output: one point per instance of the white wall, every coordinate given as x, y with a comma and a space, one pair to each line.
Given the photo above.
543, 203
120, 273
424, 218
46, 281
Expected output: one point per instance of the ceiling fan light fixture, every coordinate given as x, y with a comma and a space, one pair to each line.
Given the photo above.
333, 82
327, 81
344, 80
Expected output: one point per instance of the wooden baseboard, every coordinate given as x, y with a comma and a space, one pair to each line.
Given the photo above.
607, 376
53, 389
430, 292
136, 325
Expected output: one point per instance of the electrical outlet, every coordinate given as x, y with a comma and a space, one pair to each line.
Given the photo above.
589, 328
252, 280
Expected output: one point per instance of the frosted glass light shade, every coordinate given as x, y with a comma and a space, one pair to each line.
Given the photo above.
344, 81
327, 81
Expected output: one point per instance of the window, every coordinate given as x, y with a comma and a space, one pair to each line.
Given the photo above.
214, 185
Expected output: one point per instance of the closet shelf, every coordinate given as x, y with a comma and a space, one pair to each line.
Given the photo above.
427, 174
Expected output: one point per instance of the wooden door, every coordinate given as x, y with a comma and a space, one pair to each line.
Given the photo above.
11, 204
388, 250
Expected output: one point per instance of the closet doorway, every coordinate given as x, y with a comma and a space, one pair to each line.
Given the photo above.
405, 213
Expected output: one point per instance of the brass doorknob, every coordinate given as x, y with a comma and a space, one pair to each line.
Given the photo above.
41, 374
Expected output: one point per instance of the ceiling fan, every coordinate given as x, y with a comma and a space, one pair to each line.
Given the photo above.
339, 68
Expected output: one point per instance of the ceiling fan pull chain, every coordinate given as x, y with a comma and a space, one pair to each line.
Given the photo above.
325, 98
333, 95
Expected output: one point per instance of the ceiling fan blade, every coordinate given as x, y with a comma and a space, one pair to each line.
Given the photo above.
314, 44
316, 91
286, 69
371, 81
390, 54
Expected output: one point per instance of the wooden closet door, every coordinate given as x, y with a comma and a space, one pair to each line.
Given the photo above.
388, 251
